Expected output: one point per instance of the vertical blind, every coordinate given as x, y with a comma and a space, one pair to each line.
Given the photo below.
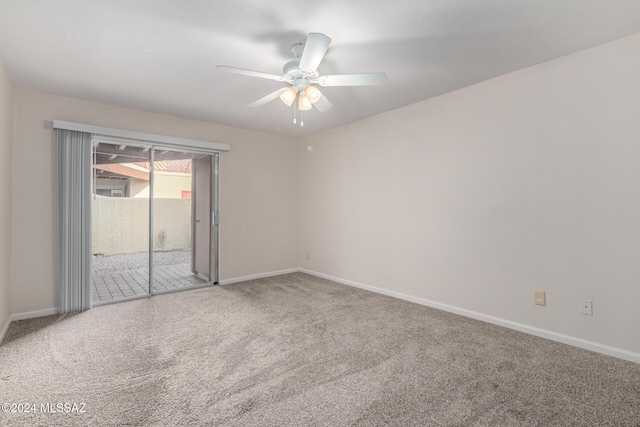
74, 220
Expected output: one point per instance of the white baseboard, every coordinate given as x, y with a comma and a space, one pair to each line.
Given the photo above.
554, 336
37, 313
4, 329
50, 311
258, 276
27, 315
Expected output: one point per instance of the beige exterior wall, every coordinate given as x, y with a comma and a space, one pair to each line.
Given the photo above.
173, 217
6, 142
170, 185
166, 185
257, 178
120, 225
139, 188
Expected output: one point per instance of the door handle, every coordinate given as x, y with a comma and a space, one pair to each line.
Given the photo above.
197, 220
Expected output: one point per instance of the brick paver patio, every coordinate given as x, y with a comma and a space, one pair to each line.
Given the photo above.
123, 284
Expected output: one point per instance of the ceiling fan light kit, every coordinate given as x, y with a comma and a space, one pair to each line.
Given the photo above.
312, 93
304, 104
289, 96
302, 76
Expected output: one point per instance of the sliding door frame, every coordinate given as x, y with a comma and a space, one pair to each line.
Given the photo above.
112, 135
151, 212
95, 140
214, 236
215, 176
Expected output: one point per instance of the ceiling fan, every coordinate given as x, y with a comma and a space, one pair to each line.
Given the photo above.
302, 76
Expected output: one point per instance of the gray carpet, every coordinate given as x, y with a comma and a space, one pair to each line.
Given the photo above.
296, 350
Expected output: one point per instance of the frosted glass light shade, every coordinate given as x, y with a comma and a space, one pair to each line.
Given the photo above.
303, 103
312, 93
289, 96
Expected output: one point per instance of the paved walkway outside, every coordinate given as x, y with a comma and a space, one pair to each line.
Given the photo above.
122, 284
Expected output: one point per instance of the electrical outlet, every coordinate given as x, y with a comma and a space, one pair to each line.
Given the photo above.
586, 307
308, 255
539, 298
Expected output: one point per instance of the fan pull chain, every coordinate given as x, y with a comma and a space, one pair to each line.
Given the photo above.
301, 118
294, 109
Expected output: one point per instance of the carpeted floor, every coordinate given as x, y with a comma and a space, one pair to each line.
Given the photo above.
296, 350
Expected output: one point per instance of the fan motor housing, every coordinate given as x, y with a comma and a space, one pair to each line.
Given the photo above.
295, 76
290, 66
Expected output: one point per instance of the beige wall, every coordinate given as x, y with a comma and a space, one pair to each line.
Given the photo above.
166, 185
138, 188
170, 185
478, 197
173, 217
6, 137
257, 180
120, 225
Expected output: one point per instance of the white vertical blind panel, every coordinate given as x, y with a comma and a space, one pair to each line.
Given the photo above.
74, 220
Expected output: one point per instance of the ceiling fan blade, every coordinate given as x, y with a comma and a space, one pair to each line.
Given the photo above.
369, 79
314, 49
266, 99
323, 104
250, 73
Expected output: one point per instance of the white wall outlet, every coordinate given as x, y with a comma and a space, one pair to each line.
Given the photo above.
586, 307
539, 298
308, 255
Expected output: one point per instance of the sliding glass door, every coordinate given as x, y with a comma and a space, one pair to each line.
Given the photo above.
120, 211
202, 224
154, 220
182, 213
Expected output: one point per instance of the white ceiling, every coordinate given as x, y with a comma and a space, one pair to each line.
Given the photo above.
160, 55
